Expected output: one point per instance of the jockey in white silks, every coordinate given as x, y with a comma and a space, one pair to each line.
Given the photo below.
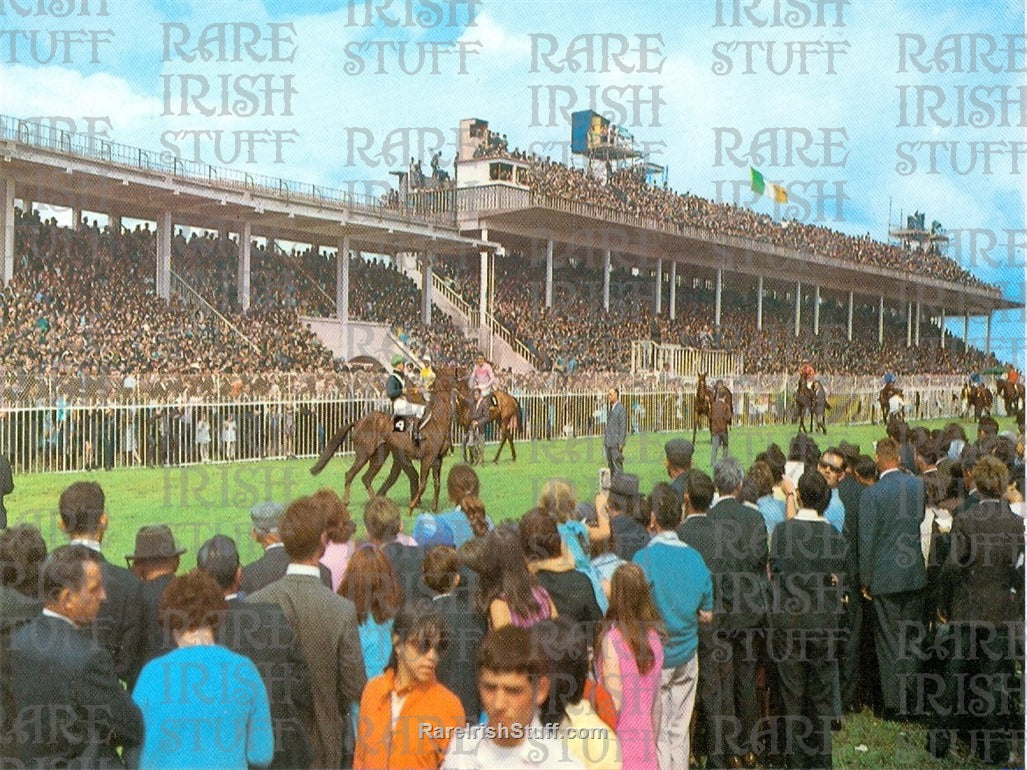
395, 389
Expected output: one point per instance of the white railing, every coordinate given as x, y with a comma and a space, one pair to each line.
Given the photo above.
508, 337
649, 356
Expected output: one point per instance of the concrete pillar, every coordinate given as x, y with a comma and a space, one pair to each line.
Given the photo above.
966, 329
880, 321
798, 306
916, 329
909, 324
717, 305
483, 283
76, 218
658, 304
243, 284
673, 289
987, 334
549, 273
759, 303
7, 228
427, 260
941, 327
342, 291
115, 222
848, 332
606, 280
163, 282
816, 311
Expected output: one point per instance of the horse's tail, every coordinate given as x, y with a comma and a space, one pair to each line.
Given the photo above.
331, 448
513, 424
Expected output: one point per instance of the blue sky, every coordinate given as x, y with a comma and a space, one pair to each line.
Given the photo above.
851, 92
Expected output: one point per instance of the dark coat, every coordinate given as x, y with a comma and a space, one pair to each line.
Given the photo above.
65, 684
261, 633
616, 432
738, 561
6, 487
890, 556
271, 567
119, 625
807, 569
983, 576
467, 628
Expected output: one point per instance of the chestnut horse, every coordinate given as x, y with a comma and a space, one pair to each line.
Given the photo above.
506, 411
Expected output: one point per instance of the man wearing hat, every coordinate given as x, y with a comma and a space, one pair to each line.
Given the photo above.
678, 462
155, 562
261, 632
275, 561
623, 501
395, 389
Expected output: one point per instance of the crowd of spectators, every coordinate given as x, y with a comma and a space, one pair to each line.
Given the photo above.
588, 617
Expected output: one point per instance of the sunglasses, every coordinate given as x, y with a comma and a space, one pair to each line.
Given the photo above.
829, 467
425, 644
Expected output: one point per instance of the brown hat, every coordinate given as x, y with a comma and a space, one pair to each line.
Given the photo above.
154, 541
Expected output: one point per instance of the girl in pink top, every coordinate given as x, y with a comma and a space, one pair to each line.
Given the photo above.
508, 593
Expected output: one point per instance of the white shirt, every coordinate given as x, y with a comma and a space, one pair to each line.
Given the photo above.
51, 614
303, 569
476, 752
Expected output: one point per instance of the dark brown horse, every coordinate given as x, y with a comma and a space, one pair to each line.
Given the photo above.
506, 412
702, 406
374, 439
804, 404
980, 400
884, 399
1012, 393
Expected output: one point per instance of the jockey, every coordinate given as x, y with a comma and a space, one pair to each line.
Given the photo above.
976, 379
427, 374
482, 377
395, 389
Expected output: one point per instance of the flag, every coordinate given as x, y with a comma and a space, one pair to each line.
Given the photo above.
775, 192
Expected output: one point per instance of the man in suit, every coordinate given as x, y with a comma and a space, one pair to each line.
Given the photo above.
272, 565
71, 711
119, 625
616, 432
720, 422
6, 487
738, 561
678, 461
981, 627
891, 570
155, 562
325, 625
262, 634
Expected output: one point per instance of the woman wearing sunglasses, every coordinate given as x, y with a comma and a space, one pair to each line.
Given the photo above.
407, 718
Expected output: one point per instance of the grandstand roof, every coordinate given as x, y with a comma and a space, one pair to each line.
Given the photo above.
95, 175
523, 223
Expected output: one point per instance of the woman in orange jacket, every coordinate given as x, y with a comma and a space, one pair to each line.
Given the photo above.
407, 718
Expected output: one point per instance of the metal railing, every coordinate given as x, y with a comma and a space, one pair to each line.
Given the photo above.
508, 336
649, 356
166, 163
69, 437
192, 298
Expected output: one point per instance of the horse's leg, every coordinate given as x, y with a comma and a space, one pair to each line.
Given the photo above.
377, 461
503, 435
513, 449
358, 462
437, 482
422, 483
394, 471
467, 437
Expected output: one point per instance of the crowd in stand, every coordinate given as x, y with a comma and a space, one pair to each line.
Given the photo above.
768, 603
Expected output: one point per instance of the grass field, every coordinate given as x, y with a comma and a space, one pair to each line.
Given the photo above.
200, 501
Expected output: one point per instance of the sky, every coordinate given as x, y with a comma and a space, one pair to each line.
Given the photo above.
864, 111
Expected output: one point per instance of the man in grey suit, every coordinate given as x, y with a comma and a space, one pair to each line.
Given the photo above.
616, 433
325, 625
272, 565
892, 571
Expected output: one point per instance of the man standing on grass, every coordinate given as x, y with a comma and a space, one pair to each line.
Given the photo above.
616, 433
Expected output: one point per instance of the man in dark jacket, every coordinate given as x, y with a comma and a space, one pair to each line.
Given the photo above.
155, 562
273, 564
262, 634
6, 487
615, 433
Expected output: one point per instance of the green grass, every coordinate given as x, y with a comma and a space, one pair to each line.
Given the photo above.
200, 501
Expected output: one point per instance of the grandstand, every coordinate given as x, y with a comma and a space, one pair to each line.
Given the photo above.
545, 265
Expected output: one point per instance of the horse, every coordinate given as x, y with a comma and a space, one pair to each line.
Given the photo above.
505, 410
804, 402
374, 438
980, 399
884, 398
703, 404
1012, 393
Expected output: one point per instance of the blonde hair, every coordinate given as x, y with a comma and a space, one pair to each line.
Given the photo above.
557, 499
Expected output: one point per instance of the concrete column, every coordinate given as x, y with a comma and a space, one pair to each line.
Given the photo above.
115, 222
427, 261
163, 282
549, 273
987, 334
7, 228
816, 311
759, 303
243, 285
717, 306
342, 283
798, 306
673, 289
916, 329
848, 332
76, 218
658, 304
880, 321
909, 324
483, 283
606, 280
966, 329
941, 328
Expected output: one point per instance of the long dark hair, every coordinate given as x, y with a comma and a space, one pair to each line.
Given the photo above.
420, 621
503, 574
371, 584
633, 612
